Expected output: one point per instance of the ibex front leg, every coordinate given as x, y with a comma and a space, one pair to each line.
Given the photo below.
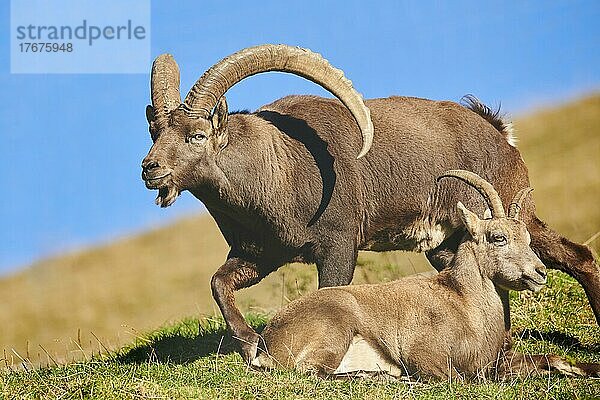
336, 260
236, 274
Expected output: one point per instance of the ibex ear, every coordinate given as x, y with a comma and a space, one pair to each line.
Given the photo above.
150, 117
219, 116
219, 123
487, 214
469, 219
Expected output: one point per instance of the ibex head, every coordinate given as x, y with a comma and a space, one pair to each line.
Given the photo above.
187, 136
501, 244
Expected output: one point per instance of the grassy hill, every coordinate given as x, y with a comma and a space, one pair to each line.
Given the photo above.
67, 307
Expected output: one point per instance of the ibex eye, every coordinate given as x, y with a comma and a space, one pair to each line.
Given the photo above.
498, 239
197, 138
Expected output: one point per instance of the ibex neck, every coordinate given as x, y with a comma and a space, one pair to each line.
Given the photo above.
465, 271
469, 279
487, 303
257, 185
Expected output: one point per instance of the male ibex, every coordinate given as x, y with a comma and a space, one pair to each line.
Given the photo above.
448, 325
284, 183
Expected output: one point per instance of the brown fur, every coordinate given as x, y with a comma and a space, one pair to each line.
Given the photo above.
449, 325
284, 184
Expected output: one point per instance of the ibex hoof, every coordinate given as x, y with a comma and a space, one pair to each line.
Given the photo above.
248, 345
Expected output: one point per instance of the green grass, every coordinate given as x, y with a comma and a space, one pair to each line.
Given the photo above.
195, 359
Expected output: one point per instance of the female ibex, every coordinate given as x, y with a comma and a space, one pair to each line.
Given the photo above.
448, 325
284, 184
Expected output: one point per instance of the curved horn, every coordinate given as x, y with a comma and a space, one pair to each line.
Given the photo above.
482, 186
164, 85
213, 84
517, 202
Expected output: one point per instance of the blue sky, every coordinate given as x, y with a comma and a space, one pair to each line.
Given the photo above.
71, 144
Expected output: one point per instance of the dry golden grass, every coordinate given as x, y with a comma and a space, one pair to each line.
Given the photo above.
111, 290
142, 282
562, 150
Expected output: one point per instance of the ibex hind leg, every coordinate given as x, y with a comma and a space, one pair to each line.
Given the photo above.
523, 365
577, 260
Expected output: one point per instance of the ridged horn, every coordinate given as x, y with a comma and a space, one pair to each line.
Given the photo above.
517, 202
213, 84
482, 186
164, 85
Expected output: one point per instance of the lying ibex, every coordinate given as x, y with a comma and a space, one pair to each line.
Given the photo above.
284, 183
448, 325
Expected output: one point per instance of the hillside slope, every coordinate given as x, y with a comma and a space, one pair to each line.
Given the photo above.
136, 284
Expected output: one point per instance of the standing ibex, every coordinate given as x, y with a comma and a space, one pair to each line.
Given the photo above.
448, 325
284, 183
